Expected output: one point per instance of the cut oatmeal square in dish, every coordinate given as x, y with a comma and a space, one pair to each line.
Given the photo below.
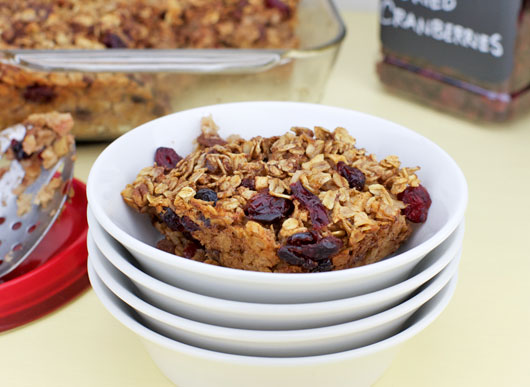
306, 201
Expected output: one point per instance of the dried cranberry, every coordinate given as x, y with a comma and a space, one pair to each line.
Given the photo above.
266, 208
317, 211
188, 224
207, 195
354, 176
171, 220
291, 258
302, 238
190, 249
325, 265
176, 223
111, 40
279, 5
237, 14
39, 94
18, 150
418, 202
167, 157
323, 249
310, 251
166, 245
249, 182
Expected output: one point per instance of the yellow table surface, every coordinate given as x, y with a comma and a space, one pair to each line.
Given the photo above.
481, 339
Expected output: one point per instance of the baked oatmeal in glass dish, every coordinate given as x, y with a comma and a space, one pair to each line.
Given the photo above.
105, 104
306, 201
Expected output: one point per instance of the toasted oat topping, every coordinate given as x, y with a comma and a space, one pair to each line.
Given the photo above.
277, 162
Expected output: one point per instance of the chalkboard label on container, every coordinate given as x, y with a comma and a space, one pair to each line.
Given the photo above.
475, 37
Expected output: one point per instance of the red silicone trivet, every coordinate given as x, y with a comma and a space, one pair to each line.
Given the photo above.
55, 272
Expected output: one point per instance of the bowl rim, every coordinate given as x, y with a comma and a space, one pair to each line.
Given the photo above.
152, 337
262, 336
140, 278
253, 277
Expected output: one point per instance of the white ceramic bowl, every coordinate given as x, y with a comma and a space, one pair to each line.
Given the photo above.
286, 343
121, 161
245, 315
189, 366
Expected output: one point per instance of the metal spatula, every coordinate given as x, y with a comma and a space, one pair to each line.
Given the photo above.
20, 235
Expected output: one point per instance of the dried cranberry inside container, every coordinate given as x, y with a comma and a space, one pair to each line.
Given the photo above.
443, 55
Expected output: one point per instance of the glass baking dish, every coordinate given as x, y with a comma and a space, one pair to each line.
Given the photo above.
109, 92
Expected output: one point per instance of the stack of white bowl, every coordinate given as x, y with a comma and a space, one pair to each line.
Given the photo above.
206, 325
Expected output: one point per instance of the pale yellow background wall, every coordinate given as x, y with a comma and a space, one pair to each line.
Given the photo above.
481, 339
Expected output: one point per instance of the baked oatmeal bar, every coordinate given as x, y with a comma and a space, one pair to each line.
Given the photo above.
305, 201
36, 143
106, 105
